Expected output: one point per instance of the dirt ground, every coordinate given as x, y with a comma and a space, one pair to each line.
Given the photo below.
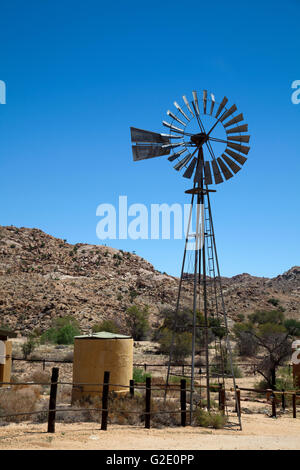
259, 432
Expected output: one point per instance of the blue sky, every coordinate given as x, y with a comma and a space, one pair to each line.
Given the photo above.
79, 74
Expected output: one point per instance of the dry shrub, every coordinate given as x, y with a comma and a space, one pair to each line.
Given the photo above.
64, 393
69, 356
38, 376
17, 400
208, 419
165, 419
84, 415
124, 409
157, 380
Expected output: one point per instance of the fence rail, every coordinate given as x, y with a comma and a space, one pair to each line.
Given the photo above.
145, 366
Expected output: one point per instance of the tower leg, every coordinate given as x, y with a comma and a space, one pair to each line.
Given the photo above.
178, 296
204, 301
228, 345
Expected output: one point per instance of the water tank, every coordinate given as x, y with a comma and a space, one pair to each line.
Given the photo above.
97, 353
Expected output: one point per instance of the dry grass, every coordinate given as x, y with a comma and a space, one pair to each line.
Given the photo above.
124, 409
210, 419
38, 376
19, 399
64, 393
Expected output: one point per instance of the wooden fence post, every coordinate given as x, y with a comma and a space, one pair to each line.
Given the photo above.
283, 400
148, 403
294, 406
273, 401
183, 401
131, 388
52, 400
105, 391
222, 398
238, 408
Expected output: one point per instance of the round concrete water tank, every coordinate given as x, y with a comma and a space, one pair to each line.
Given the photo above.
93, 355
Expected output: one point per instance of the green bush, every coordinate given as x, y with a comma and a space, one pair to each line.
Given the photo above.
245, 341
213, 403
208, 419
175, 379
28, 347
106, 325
139, 375
63, 331
138, 322
218, 369
274, 302
283, 381
182, 324
262, 317
292, 326
182, 344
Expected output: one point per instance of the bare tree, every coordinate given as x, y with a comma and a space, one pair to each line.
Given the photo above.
270, 334
276, 343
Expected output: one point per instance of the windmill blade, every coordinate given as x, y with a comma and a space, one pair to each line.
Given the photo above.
175, 117
183, 162
196, 101
140, 135
176, 144
143, 152
239, 138
217, 174
207, 173
188, 105
181, 110
175, 129
222, 104
232, 165
239, 158
241, 148
189, 171
171, 136
226, 172
204, 100
177, 154
213, 100
234, 120
228, 113
235, 130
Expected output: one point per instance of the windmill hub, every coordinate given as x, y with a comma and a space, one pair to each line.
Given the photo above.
199, 139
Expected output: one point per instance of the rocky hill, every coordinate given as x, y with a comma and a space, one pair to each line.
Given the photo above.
42, 277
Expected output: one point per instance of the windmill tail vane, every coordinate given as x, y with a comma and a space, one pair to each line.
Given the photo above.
206, 141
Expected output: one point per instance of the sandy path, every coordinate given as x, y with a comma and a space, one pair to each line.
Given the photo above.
259, 432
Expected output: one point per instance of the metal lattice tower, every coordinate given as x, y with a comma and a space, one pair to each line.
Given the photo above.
221, 133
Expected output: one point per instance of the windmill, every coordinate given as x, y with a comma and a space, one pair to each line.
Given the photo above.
207, 142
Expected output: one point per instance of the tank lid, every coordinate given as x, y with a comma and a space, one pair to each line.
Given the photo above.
103, 335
